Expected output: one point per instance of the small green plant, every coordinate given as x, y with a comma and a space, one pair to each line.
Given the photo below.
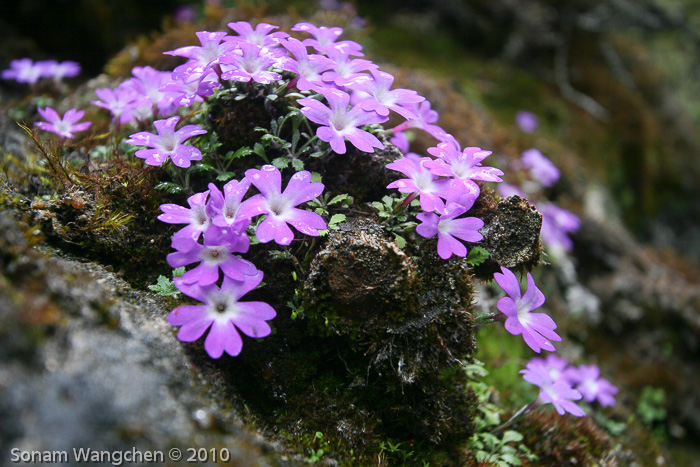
315, 455
165, 286
650, 407
486, 445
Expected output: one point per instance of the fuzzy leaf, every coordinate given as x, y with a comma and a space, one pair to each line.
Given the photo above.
280, 162
298, 164
179, 272
164, 287
335, 220
477, 255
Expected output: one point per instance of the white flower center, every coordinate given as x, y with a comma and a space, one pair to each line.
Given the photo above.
278, 205
341, 120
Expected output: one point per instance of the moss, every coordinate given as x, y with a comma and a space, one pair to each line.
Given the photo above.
234, 120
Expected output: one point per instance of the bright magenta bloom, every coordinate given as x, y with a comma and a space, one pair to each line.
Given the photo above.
339, 123
537, 328
280, 205
250, 63
168, 143
382, 98
447, 228
465, 166
198, 217
65, 126
325, 39
222, 313
421, 181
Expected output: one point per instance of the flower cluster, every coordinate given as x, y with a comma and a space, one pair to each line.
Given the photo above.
557, 223
561, 383
445, 185
331, 76
215, 230
25, 70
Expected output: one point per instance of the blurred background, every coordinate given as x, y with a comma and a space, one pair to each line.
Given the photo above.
615, 87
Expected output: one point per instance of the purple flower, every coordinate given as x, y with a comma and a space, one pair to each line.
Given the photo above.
557, 223
200, 57
421, 181
346, 70
557, 392
587, 380
540, 167
382, 98
194, 91
447, 228
465, 166
59, 70
250, 64
23, 70
226, 205
527, 121
222, 313
325, 39
168, 143
425, 118
339, 123
536, 328
557, 367
280, 206
121, 102
506, 190
215, 254
197, 217
63, 126
401, 141
262, 36
148, 81
307, 67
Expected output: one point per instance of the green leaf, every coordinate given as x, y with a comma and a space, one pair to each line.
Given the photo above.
316, 177
298, 164
335, 220
278, 254
339, 199
242, 152
259, 149
477, 255
164, 287
225, 177
510, 459
179, 272
512, 436
378, 206
400, 241
203, 168
170, 187
280, 162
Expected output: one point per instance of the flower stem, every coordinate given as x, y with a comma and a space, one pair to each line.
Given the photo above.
525, 409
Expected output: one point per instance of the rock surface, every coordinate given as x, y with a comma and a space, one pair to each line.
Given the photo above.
89, 362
